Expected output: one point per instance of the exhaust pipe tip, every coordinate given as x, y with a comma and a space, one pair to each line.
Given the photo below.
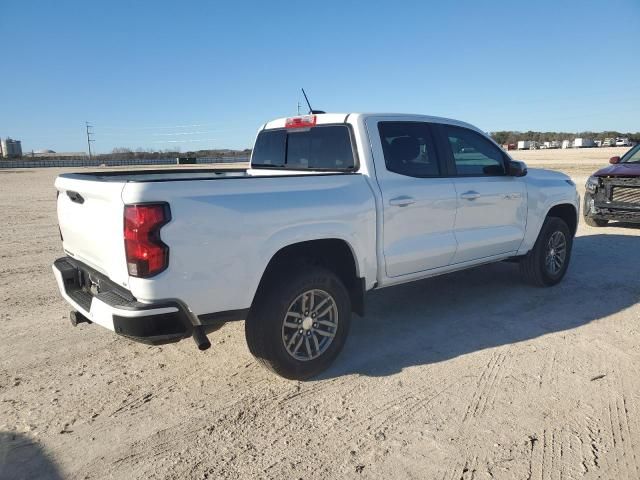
200, 337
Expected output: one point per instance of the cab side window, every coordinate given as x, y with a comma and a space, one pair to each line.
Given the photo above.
473, 154
409, 149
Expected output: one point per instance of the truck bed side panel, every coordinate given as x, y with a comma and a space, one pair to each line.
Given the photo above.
223, 233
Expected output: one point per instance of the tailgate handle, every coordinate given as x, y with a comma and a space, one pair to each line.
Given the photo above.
75, 197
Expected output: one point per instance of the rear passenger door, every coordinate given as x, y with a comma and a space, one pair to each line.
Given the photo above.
492, 208
419, 203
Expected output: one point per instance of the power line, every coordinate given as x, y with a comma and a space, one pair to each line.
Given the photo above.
108, 127
89, 139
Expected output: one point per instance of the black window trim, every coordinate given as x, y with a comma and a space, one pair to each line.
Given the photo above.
352, 140
451, 161
442, 166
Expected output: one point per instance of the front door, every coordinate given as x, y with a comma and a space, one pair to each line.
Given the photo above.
492, 206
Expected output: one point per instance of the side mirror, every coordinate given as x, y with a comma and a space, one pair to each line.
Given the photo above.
517, 169
614, 160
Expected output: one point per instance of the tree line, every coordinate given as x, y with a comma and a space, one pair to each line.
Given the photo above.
126, 153
507, 136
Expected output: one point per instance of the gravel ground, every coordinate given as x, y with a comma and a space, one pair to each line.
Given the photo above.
470, 375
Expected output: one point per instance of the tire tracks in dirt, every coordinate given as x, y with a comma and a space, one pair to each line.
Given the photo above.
486, 389
598, 445
622, 426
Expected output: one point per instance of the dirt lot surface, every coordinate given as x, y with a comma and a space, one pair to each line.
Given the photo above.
469, 376
579, 162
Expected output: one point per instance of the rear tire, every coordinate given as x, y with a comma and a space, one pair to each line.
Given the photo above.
281, 320
547, 262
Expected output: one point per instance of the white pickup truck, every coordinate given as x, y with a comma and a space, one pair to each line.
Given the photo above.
334, 205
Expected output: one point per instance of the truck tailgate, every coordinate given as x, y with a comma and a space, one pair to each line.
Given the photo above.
90, 215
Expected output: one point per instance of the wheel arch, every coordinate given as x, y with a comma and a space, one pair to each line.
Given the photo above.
335, 254
562, 208
566, 212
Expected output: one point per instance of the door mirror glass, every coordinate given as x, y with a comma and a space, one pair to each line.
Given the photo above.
614, 160
517, 169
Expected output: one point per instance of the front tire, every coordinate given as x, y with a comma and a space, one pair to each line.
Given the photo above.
299, 321
547, 262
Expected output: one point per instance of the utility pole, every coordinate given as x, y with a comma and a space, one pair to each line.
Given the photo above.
89, 139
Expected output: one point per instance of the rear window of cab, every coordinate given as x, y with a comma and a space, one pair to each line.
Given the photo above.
322, 147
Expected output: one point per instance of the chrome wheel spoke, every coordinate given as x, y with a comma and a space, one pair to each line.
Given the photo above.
325, 333
299, 344
320, 305
311, 301
548, 262
326, 323
291, 324
292, 340
325, 311
308, 347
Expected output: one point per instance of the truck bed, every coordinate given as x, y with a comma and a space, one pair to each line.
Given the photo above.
158, 175
169, 175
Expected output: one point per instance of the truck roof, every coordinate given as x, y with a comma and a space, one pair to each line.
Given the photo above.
333, 118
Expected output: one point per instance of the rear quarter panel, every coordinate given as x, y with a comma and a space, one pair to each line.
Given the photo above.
223, 233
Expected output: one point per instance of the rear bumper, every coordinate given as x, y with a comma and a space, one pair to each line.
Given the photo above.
111, 306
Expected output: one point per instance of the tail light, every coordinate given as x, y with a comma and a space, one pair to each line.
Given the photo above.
146, 254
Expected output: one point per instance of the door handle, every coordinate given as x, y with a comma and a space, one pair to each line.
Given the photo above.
470, 195
401, 201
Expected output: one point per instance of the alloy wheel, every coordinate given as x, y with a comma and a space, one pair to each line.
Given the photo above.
556, 253
310, 325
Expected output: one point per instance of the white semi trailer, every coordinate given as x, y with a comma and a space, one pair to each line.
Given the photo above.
583, 143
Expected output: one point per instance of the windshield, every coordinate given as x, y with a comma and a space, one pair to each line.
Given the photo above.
317, 148
632, 156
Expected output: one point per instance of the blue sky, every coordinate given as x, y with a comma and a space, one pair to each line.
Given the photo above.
206, 74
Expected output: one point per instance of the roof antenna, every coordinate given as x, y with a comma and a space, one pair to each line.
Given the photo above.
311, 110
